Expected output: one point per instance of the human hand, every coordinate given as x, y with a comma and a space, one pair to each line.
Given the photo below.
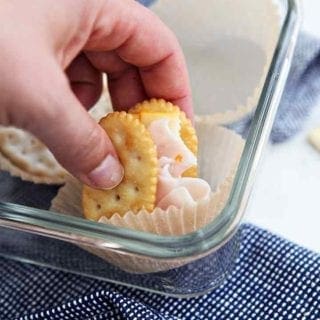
52, 56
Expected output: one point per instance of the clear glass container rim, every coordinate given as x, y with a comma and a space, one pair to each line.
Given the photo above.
213, 235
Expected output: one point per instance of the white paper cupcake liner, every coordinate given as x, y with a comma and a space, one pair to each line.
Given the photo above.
228, 45
220, 151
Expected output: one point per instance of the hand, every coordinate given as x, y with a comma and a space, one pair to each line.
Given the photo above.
52, 55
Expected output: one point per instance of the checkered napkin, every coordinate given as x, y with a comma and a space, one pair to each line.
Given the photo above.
272, 279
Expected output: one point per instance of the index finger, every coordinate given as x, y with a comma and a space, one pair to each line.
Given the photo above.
141, 39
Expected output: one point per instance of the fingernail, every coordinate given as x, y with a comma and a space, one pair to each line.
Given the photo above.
107, 175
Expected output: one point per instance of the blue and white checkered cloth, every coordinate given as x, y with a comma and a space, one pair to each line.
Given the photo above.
272, 279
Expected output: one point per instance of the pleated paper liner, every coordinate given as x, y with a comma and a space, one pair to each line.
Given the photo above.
220, 150
228, 45
24, 156
102, 107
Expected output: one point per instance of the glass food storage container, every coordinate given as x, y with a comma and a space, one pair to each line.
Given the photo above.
238, 54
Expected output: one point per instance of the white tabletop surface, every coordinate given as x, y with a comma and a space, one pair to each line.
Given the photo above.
286, 194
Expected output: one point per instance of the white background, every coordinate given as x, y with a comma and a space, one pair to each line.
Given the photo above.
286, 194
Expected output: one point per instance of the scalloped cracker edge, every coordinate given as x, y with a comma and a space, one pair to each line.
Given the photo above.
138, 156
24, 156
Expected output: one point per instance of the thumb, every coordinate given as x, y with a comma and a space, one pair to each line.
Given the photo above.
80, 145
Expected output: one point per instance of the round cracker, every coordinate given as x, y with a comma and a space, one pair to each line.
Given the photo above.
24, 156
187, 131
138, 155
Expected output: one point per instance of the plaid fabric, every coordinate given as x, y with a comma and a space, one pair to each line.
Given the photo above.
272, 279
